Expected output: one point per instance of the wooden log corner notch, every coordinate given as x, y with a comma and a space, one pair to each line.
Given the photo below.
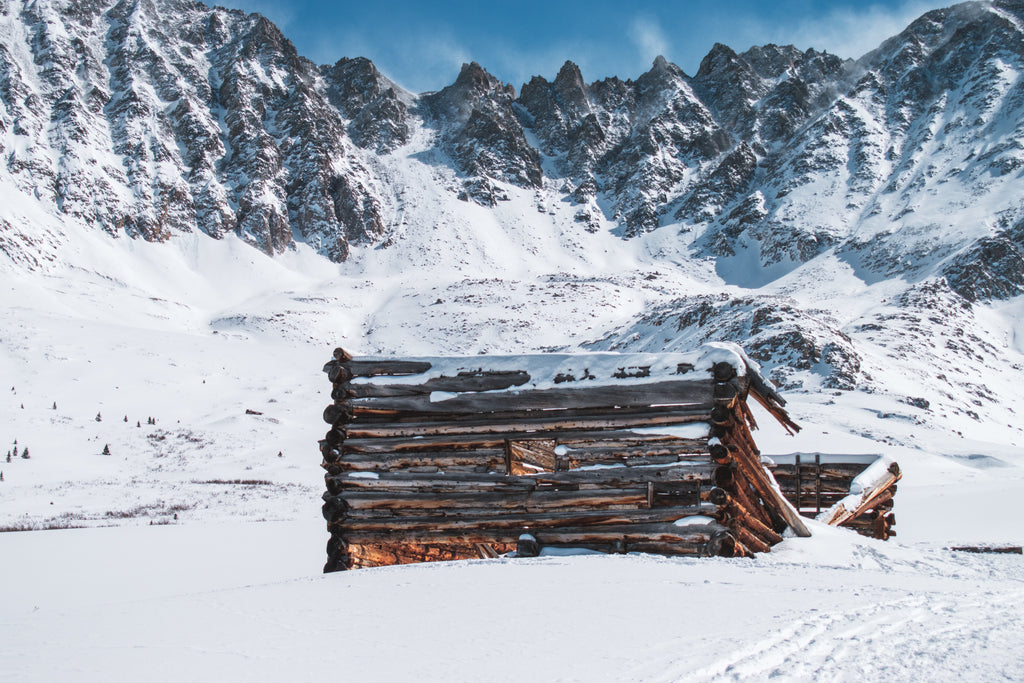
473, 457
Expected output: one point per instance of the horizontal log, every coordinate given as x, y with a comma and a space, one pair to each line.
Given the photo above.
601, 451
536, 426
611, 477
680, 392
376, 368
350, 526
630, 533
528, 501
809, 498
809, 489
998, 549
491, 458
476, 381
830, 471
624, 438
391, 554
486, 504
566, 463
374, 416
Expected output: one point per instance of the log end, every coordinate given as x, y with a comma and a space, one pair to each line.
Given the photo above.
723, 371
527, 546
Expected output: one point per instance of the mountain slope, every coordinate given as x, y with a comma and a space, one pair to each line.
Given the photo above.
856, 224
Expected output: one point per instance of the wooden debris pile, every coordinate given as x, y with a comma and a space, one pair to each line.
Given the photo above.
451, 458
854, 491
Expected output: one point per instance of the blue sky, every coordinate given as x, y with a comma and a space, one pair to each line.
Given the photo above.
421, 45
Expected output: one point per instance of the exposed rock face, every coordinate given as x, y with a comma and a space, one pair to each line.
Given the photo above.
152, 117
379, 117
991, 268
481, 132
773, 330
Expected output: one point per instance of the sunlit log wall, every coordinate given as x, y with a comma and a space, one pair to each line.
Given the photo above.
454, 458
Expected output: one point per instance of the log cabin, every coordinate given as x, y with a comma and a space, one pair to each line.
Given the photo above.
480, 456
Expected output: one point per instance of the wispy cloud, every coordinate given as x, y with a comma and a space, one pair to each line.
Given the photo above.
417, 62
278, 12
648, 38
853, 33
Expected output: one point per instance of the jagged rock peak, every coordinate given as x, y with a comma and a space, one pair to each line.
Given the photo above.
772, 61
661, 74
569, 76
718, 58
376, 106
473, 78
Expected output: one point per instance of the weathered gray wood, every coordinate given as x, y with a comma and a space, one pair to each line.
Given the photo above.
489, 503
629, 533
1004, 549
374, 416
808, 488
538, 425
375, 368
476, 381
828, 470
392, 504
512, 520
600, 451
579, 439
566, 463
685, 392
613, 477
492, 458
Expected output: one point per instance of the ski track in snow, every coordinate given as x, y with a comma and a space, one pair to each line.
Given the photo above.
881, 640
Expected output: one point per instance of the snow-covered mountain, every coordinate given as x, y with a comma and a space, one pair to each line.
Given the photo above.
857, 225
160, 117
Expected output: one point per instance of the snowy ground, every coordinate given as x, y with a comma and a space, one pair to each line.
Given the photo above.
245, 602
204, 542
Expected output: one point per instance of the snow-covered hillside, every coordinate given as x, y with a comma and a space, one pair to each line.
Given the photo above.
194, 216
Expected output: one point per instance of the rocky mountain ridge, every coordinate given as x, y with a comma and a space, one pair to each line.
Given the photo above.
178, 117
152, 118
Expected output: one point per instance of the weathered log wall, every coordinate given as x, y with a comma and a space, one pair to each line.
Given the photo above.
615, 453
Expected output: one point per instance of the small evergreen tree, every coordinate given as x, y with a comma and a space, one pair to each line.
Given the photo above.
99, 418
125, 418
15, 448
138, 424
55, 405
106, 449
8, 456
24, 454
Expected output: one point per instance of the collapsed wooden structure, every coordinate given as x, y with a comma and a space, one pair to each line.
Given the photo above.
853, 491
467, 457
